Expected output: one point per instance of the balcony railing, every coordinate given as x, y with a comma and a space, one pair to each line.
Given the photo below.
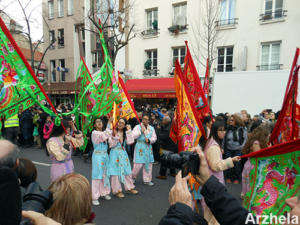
152, 72
269, 67
150, 32
232, 21
177, 28
272, 15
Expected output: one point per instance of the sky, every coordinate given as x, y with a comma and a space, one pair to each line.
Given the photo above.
13, 9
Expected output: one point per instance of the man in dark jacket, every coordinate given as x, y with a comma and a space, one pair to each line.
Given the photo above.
27, 127
226, 209
166, 145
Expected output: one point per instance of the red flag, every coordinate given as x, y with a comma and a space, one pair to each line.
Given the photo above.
206, 80
193, 83
189, 127
287, 125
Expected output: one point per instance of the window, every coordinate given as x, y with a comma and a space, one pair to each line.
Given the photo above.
60, 5
52, 38
225, 57
62, 70
61, 39
70, 7
151, 63
97, 59
273, 9
270, 55
227, 12
50, 9
52, 70
152, 22
179, 14
179, 53
152, 55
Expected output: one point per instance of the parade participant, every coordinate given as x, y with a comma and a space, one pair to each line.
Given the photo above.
100, 160
257, 140
119, 165
234, 141
216, 164
143, 154
60, 147
47, 130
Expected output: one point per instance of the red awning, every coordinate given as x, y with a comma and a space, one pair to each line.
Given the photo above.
151, 88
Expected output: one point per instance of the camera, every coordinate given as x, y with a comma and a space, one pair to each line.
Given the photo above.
188, 162
37, 200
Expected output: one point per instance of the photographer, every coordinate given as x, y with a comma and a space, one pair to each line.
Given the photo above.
166, 144
10, 197
223, 205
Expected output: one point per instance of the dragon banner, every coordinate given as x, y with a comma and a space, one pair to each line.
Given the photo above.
188, 126
192, 80
18, 88
125, 109
274, 178
287, 125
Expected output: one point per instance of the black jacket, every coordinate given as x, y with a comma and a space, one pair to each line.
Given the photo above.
226, 209
164, 140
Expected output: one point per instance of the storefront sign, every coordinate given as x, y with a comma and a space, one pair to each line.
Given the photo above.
152, 95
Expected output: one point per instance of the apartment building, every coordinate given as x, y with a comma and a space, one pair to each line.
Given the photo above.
256, 36
251, 35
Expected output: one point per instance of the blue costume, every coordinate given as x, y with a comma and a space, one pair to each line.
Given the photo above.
119, 164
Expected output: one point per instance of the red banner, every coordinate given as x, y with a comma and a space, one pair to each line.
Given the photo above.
188, 127
206, 80
287, 125
193, 83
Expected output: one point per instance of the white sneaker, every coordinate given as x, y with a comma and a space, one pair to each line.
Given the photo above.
96, 202
107, 197
149, 183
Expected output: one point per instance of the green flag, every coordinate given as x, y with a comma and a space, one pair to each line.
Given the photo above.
17, 86
273, 179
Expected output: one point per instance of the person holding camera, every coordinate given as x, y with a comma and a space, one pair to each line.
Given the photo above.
166, 145
60, 147
143, 154
11, 201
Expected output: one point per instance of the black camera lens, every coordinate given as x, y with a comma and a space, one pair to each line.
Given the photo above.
35, 199
188, 162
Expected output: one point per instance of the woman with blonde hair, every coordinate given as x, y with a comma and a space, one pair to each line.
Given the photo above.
235, 139
72, 200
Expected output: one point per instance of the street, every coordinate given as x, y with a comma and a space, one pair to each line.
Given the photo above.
146, 208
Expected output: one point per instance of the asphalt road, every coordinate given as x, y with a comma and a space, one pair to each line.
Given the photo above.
146, 208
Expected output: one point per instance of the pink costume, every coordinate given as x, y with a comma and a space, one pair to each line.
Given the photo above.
216, 165
61, 158
143, 154
245, 177
119, 165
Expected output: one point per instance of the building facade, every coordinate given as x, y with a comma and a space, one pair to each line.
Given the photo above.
248, 36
